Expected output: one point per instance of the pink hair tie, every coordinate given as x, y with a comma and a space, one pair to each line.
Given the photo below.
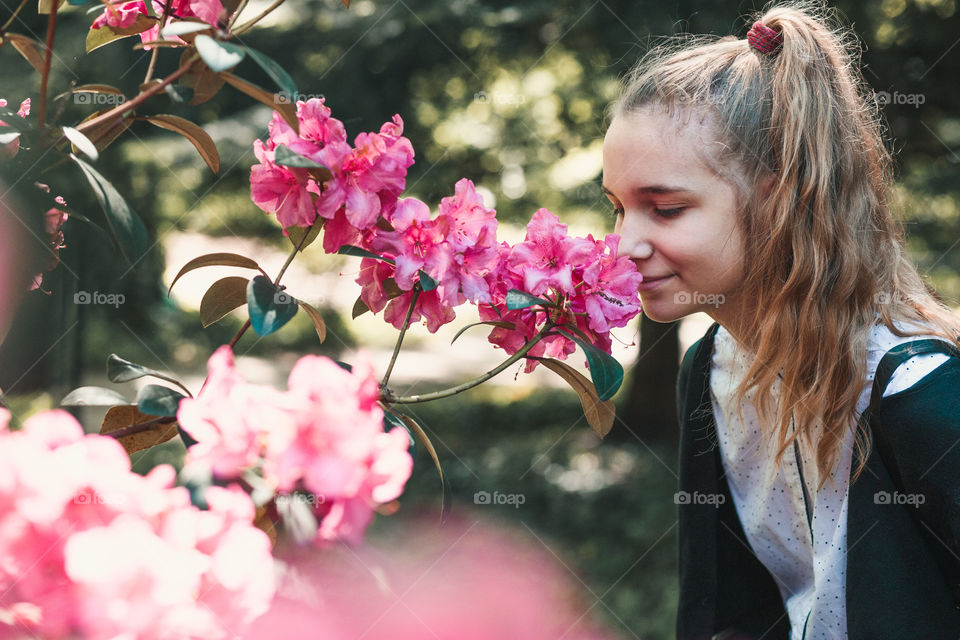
764, 39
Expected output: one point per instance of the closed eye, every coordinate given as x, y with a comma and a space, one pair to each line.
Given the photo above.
669, 213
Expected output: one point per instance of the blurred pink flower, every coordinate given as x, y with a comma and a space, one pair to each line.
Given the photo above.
53, 221
123, 15
324, 436
91, 549
466, 580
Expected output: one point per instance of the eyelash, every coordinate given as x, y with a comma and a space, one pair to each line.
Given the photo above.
663, 213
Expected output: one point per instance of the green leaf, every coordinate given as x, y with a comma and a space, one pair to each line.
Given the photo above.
606, 372
287, 157
96, 38
221, 298
275, 71
444, 488
81, 142
390, 419
120, 370
494, 323
78, 3
426, 282
219, 56
159, 401
296, 234
350, 250
517, 299
270, 308
93, 397
183, 27
216, 259
125, 225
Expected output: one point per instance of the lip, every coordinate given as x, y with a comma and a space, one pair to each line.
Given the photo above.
653, 283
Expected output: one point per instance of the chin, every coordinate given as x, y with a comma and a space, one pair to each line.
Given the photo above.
664, 315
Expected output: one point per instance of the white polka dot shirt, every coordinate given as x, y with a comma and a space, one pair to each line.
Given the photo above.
805, 554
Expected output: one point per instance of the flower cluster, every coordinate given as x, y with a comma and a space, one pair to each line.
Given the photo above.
365, 182
92, 549
324, 435
589, 286
592, 289
123, 14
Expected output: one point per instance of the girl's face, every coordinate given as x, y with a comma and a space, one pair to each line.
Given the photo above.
676, 217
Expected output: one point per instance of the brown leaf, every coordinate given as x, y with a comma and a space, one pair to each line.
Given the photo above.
45, 6
218, 259
283, 107
297, 234
316, 318
221, 298
128, 415
192, 132
28, 48
263, 521
202, 79
600, 415
106, 132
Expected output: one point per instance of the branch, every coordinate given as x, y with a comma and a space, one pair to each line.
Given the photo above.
45, 76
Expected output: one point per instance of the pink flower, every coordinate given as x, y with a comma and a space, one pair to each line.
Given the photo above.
24, 109
91, 549
414, 238
285, 191
547, 255
429, 306
123, 15
590, 288
324, 436
12, 148
53, 221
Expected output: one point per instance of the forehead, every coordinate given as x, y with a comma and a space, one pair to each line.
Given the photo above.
658, 146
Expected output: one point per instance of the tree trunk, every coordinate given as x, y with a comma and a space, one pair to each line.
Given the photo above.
649, 410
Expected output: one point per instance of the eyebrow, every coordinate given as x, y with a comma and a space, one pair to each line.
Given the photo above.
657, 189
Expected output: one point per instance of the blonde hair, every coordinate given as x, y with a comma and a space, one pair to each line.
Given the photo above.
824, 253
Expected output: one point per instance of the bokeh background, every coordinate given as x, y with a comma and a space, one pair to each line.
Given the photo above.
512, 95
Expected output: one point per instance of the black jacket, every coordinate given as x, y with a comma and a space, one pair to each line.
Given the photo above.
901, 560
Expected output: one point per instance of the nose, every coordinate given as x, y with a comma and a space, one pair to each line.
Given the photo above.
635, 240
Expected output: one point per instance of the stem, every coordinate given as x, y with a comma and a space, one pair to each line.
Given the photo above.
6, 24
385, 395
140, 99
247, 25
45, 77
243, 330
403, 331
236, 14
140, 427
156, 50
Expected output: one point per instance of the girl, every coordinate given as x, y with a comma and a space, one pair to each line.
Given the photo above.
819, 493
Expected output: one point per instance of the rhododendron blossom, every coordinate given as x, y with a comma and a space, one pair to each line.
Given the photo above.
594, 289
91, 549
12, 148
324, 436
123, 14
366, 179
